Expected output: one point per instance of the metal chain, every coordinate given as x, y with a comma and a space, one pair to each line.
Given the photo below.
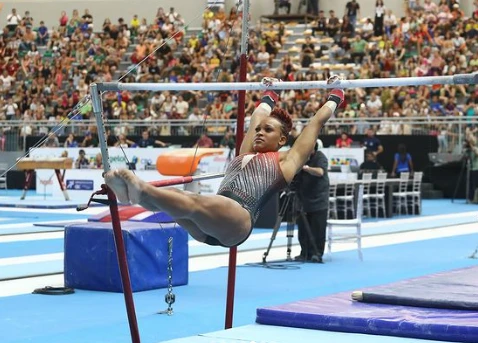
169, 298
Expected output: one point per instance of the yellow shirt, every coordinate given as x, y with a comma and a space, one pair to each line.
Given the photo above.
193, 42
134, 23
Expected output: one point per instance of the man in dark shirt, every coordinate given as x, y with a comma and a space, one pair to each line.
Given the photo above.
333, 24
372, 143
352, 9
370, 164
313, 193
147, 141
321, 24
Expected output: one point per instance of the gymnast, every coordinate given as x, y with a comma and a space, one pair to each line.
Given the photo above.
227, 218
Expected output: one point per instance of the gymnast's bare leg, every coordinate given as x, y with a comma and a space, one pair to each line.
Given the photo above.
214, 215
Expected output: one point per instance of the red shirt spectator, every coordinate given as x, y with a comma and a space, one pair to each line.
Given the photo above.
344, 141
204, 142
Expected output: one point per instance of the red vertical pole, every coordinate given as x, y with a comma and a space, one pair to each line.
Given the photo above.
231, 275
123, 267
115, 218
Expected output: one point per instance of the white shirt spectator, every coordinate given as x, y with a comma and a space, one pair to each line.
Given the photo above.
7, 81
182, 107
194, 119
263, 57
13, 19
10, 108
367, 28
458, 41
156, 102
444, 18
380, 11
390, 20
374, 104
430, 7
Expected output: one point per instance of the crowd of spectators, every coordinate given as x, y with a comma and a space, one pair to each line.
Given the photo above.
45, 68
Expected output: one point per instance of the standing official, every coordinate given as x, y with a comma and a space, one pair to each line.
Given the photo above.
313, 192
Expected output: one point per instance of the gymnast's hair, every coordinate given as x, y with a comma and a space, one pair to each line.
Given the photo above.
284, 118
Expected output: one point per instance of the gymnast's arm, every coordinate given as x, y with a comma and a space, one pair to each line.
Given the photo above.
259, 113
296, 157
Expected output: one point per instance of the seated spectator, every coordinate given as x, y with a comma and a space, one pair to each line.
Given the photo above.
52, 141
98, 162
42, 34
124, 142
358, 49
146, 141
82, 162
402, 162
344, 141
70, 141
204, 142
228, 140
347, 29
367, 29
370, 163
374, 105
333, 24
262, 59
90, 140
307, 53
339, 50
321, 24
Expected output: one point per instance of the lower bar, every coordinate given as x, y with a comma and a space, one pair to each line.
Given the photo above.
185, 179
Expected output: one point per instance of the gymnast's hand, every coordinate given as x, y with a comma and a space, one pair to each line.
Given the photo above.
269, 81
126, 186
334, 80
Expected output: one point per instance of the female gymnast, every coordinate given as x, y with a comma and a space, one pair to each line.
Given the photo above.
251, 178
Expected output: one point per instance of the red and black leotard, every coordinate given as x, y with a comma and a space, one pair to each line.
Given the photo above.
251, 179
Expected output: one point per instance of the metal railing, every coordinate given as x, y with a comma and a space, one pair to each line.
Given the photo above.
449, 131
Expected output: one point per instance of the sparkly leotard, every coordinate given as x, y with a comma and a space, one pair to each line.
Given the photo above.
251, 179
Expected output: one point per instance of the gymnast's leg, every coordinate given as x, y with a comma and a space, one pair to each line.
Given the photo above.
192, 229
214, 215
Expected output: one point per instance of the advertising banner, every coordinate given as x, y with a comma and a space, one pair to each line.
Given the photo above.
81, 183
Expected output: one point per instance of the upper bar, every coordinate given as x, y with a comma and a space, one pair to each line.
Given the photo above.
236, 86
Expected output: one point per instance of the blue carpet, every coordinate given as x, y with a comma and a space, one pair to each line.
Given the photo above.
31, 269
28, 248
199, 308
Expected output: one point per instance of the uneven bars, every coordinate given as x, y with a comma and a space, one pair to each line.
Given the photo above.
458, 79
185, 179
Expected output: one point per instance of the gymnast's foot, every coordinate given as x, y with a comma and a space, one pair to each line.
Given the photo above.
125, 185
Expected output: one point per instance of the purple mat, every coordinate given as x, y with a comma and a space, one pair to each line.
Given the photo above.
340, 313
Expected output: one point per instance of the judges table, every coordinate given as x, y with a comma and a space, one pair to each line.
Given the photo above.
29, 165
391, 186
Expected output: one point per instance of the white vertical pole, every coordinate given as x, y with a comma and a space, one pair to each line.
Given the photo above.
98, 112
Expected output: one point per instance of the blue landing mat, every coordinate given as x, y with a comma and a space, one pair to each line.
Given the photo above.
340, 313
